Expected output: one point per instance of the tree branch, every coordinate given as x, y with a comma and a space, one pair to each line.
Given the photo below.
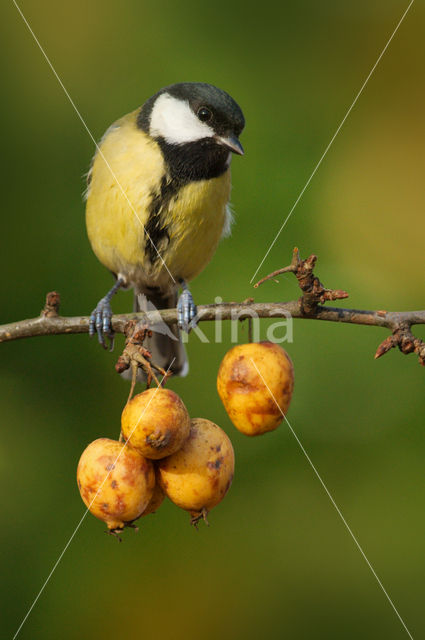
308, 306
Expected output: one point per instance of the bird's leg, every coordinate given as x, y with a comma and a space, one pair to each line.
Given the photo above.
186, 309
100, 319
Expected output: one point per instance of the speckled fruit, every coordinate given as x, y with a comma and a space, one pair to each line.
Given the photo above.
155, 422
255, 383
116, 483
197, 477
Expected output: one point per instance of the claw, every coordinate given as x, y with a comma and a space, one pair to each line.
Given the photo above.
100, 318
186, 310
100, 322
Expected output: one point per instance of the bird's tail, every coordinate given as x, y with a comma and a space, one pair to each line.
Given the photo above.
165, 344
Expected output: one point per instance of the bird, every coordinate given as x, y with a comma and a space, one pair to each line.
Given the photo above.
157, 205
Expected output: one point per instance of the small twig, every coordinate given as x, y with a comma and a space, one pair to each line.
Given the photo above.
314, 293
291, 268
135, 356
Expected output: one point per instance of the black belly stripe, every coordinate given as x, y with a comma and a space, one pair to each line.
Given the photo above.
186, 163
156, 229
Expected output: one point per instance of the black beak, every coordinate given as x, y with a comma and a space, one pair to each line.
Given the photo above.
231, 142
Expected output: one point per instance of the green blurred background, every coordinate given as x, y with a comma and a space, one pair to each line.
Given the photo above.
277, 560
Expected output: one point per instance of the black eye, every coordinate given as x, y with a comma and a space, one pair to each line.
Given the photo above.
204, 114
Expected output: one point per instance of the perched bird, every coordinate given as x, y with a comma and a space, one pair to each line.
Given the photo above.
158, 203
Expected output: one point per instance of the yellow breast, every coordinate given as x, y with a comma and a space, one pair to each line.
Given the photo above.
196, 221
126, 174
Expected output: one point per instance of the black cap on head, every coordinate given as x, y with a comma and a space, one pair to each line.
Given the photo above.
209, 103
226, 114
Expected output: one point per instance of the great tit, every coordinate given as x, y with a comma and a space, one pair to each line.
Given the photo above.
158, 203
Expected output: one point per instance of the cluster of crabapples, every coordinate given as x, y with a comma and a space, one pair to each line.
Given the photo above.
162, 452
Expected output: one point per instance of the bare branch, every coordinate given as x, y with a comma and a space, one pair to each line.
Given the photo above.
308, 306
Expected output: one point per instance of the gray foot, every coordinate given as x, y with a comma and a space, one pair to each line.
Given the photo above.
100, 319
100, 322
186, 311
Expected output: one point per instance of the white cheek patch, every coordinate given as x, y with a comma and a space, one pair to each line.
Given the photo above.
174, 120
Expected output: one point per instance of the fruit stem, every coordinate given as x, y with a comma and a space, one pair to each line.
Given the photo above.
250, 329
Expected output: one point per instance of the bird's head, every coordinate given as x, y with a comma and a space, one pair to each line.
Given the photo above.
191, 112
